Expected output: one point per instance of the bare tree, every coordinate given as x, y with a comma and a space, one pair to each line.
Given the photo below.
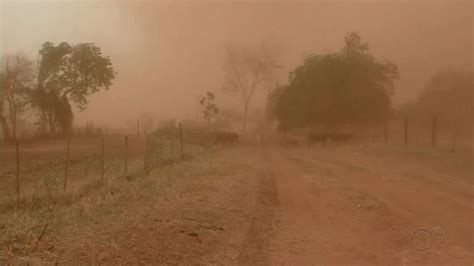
3, 120
246, 69
16, 78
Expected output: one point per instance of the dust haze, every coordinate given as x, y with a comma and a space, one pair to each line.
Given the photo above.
168, 53
236, 132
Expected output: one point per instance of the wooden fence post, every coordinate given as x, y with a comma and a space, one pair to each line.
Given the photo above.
17, 147
102, 161
386, 131
453, 143
433, 132
67, 161
406, 129
261, 138
145, 157
181, 140
126, 155
145, 160
453, 149
172, 146
138, 128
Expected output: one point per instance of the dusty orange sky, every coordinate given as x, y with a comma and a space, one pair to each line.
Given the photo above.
168, 52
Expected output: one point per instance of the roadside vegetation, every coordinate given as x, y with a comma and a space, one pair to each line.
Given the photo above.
46, 206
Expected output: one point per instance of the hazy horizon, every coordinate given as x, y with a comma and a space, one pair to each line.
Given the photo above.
166, 53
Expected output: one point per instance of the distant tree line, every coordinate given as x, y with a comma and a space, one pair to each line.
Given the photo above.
64, 75
447, 95
352, 87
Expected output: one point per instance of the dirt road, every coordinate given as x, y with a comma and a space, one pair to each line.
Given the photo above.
274, 205
337, 207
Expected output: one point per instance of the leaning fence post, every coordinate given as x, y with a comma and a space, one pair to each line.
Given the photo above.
406, 129
102, 161
181, 140
433, 132
126, 155
17, 147
67, 161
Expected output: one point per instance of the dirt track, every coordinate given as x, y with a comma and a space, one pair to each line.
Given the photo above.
338, 208
271, 205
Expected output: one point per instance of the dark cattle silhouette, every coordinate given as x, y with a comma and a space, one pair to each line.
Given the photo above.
314, 137
225, 137
340, 137
324, 137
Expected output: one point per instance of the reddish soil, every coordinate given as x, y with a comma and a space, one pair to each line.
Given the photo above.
348, 210
295, 206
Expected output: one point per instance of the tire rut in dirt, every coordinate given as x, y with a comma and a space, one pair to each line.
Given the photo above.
254, 249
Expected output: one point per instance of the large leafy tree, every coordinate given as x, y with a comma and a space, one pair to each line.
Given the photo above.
272, 101
68, 74
348, 87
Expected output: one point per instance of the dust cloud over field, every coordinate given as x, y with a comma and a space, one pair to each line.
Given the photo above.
167, 53
237, 132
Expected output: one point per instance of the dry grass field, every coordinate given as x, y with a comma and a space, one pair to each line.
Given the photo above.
245, 204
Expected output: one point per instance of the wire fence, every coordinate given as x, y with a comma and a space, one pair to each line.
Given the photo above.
75, 166
434, 131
